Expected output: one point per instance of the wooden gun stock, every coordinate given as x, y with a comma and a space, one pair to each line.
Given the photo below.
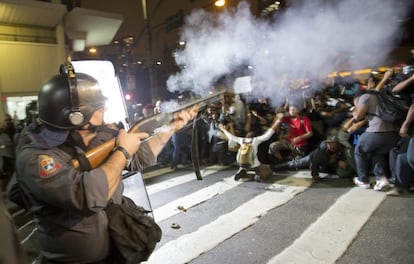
97, 155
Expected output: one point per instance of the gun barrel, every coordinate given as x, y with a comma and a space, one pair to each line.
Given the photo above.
149, 124
204, 101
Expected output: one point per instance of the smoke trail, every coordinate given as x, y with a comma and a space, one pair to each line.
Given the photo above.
307, 39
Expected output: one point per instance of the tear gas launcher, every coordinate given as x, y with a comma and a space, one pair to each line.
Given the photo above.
150, 125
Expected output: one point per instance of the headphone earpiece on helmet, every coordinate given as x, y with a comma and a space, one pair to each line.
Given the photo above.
75, 116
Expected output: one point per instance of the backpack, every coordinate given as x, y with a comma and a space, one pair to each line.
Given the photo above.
391, 109
246, 156
133, 232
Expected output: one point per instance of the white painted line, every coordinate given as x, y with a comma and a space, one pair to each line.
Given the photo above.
21, 211
157, 187
189, 246
157, 172
333, 231
26, 225
29, 236
306, 174
202, 195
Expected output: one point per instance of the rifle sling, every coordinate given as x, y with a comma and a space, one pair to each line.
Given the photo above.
194, 150
84, 164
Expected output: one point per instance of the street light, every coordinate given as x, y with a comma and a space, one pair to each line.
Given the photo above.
220, 3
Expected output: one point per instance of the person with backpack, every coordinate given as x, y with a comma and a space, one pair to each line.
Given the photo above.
246, 157
397, 105
374, 143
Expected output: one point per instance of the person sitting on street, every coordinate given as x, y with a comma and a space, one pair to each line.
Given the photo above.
254, 123
299, 130
246, 156
333, 111
330, 157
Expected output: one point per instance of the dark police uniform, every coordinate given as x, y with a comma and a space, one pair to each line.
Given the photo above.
67, 203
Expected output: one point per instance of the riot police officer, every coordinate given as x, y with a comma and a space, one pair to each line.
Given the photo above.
67, 202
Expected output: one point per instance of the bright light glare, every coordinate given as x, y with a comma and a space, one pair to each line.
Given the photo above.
104, 72
220, 3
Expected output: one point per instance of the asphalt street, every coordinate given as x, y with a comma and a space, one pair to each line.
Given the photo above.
287, 219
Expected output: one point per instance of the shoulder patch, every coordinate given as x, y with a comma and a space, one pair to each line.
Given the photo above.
47, 166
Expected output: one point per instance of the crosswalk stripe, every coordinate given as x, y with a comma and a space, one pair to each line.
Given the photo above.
154, 188
189, 246
202, 195
155, 173
135, 188
334, 230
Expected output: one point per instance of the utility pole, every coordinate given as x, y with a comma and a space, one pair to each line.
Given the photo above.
148, 31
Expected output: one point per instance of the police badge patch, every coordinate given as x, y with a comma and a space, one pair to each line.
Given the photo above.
47, 166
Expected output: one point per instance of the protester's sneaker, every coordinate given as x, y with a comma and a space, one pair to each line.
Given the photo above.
316, 177
394, 192
241, 173
382, 185
361, 183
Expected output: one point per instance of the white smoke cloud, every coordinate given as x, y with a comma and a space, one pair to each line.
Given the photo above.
306, 39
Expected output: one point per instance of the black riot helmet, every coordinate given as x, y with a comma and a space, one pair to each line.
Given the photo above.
68, 100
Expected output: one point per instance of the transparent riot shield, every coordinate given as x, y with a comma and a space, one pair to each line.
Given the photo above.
134, 188
116, 111
104, 72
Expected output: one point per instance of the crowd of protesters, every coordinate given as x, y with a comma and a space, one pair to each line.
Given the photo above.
326, 128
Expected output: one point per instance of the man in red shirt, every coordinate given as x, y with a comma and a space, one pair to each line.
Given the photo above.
294, 132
